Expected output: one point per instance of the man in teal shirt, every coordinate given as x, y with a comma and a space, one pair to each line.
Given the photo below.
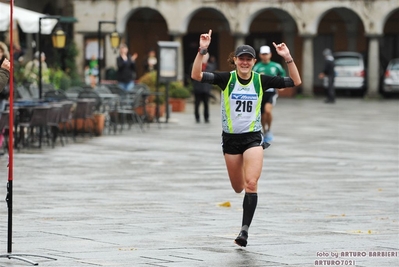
271, 68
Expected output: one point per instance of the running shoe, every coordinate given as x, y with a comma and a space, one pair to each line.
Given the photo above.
241, 239
268, 137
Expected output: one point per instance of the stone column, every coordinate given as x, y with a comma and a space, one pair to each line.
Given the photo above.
307, 65
373, 67
80, 58
239, 40
180, 73
289, 40
289, 34
29, 51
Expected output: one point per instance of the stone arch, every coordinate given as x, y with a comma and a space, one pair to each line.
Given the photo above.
272, 25
246, 24
200, 21
340, 29
346, 29
392, 17
346, 12
390, 40
284, 16
142, 28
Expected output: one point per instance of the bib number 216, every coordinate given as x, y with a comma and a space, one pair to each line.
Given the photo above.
243, 106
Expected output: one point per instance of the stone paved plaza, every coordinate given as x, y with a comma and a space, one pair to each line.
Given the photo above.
328, 195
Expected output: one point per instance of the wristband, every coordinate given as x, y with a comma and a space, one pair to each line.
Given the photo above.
290, 61
202, 51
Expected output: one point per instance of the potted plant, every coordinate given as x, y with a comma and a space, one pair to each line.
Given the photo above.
150, 79
178, 94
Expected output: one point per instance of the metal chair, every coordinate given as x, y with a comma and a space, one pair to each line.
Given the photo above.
124, 112
4, 128
23, 93
138, 86
53, 122
102, 89
91, 94
47, 87
137, 102
66, 118
115, 114
55, 95
34, 91
73, 92
35, 126
4, 120
115, 89
84, 113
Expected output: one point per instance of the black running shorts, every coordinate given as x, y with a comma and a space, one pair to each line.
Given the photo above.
237, 143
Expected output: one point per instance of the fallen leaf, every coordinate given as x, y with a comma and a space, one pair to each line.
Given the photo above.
225, 204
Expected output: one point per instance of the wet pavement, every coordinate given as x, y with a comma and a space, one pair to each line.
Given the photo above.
328, 195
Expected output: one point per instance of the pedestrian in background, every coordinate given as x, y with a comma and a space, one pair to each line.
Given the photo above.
151, 62
92, 71
4, 78
4, 68
329, 74
268, 67
126, 63
31, 71
202, 91
242, 140
4, 73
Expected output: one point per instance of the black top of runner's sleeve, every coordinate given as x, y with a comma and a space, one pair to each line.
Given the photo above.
222, 78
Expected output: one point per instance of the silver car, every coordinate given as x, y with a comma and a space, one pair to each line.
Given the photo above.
350, 73
391, 77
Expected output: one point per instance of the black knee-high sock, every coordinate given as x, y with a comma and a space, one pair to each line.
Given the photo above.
249, 206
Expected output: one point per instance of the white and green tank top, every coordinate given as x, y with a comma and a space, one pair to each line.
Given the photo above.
241, 105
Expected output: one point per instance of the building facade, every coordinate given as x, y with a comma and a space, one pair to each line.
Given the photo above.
308, 26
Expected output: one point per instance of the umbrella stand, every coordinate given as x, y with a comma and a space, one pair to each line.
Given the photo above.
9, 196
11, 255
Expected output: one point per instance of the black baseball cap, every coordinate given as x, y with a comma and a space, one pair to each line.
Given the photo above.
245, 49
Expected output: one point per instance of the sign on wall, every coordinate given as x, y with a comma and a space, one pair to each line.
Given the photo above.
168, 61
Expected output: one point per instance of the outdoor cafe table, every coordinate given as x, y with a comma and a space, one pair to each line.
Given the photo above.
23, 109
103, 96
107, 99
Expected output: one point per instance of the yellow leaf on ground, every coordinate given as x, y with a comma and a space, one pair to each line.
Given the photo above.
225, 204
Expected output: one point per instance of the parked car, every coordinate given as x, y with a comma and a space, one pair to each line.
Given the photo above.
390, 82
350, 72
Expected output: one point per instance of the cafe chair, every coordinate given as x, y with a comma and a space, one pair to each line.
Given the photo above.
138, 101
74, 89
83, 116
138, 86
34, 91
47, 87
23, 93
109, 101
4, 128
119, 110
73, 92
124, 111
102, 89
54, 122
115, 89
55, 96
66, 118
91, 94
35, 127
107, 97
